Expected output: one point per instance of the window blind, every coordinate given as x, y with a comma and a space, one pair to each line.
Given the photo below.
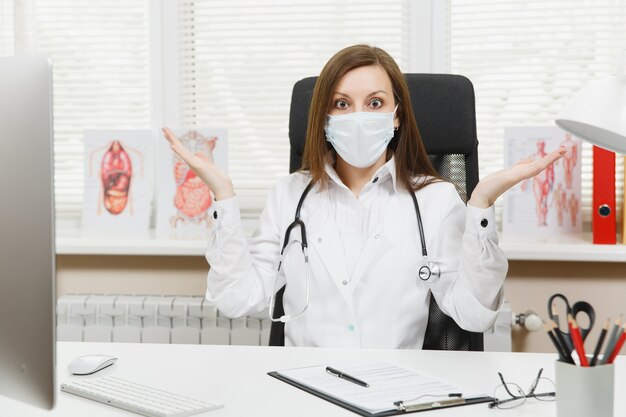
526, 58
101, 77
6, 28
239, 59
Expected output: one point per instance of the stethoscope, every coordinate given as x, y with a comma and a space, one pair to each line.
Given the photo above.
428, 272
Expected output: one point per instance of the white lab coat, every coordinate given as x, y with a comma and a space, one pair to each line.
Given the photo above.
369, 297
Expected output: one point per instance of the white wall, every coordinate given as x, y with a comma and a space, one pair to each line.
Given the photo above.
181, 275
529, 284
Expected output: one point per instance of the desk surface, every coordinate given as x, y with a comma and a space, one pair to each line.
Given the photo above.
236, 376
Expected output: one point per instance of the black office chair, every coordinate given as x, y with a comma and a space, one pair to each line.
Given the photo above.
444, 108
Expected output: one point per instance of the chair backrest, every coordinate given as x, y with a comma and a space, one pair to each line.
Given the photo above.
444, 108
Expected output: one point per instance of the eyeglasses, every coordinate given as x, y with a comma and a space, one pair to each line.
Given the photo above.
509, 395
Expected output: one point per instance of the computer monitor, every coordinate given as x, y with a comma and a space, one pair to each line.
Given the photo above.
27, 267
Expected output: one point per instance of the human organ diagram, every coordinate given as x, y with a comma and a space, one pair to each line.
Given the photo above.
116, 172
116, 175
559, 202
117, 192
573, 206
192, 197
542, 184
570, 159
548, 203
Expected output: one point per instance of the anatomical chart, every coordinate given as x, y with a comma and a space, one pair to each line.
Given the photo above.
184, 201
118, 180
549, 203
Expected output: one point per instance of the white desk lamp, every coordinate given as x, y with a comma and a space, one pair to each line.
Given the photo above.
597, 113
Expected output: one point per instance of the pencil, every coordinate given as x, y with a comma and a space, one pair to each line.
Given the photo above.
555, 314
564, 339
618, 345
562, 342
611, 343
578, 341
600, 341
564, 356
552, 337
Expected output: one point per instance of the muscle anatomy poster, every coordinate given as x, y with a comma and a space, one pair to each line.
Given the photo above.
549, 203
118, 180
183, 200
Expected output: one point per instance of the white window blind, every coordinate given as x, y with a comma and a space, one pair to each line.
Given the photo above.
101, 76
239, 60
6, 28
526, 58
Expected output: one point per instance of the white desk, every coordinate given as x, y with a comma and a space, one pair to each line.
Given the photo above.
236, 376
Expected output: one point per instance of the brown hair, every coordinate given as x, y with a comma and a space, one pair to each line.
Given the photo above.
411, 158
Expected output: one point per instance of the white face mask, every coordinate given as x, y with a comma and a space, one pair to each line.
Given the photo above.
360, 138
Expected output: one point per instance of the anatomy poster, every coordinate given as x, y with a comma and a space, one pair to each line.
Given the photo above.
183, 200
118, 180
549, 203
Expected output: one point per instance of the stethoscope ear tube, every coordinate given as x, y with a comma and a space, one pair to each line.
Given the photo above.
285, 318
420, 227
429, 272
296, 222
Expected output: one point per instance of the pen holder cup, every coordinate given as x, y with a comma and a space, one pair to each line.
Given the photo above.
584, 391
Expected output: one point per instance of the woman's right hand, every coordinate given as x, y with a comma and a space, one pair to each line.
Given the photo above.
218, 182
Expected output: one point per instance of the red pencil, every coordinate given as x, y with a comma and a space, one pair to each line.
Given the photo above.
618, 345
577, 340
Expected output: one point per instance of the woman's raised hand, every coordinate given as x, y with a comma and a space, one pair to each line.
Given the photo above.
493, 186
218, 182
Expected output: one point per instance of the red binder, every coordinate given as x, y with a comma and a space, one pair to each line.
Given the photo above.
603, 207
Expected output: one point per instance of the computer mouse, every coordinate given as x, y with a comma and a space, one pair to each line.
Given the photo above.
89, 364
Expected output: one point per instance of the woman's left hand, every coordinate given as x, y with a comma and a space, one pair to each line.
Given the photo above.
493, 186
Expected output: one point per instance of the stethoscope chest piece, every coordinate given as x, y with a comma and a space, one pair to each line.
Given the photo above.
428, 272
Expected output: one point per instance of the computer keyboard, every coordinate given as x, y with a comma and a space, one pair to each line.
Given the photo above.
138, 398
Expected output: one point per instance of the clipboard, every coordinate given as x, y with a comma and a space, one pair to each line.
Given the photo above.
401, 408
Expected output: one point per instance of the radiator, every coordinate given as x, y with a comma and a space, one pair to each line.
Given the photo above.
186, 319
154, 319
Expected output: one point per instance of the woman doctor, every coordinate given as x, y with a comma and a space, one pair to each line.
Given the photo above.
364, 283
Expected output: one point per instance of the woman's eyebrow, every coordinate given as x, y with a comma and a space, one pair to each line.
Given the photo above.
369, 95
377, 92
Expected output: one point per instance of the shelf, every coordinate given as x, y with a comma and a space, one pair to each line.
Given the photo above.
563, 248
71, 241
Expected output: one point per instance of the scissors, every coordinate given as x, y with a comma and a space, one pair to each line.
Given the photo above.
579, 307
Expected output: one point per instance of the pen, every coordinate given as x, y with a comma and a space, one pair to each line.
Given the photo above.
408, 408
596, 352
343, 375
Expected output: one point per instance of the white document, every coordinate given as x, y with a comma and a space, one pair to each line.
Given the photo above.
387, 385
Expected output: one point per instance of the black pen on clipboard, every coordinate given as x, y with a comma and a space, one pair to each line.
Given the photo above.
343, 375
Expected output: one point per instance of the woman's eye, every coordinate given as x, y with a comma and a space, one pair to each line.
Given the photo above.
341, 104
376, 103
